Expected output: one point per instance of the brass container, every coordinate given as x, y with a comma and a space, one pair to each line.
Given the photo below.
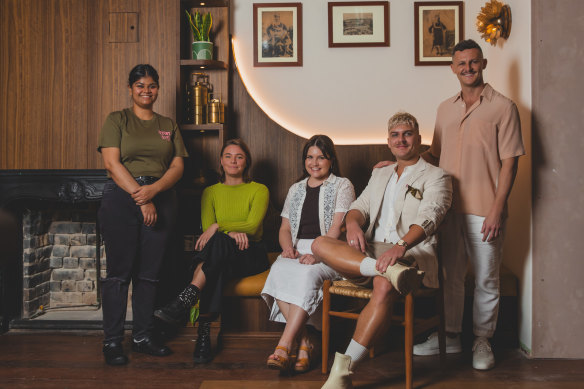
197, 97
215, 111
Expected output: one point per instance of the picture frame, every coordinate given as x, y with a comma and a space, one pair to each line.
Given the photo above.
438, 27
358, 24
277, 34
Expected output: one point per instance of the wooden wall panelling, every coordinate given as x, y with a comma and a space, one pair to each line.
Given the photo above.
43, 74
158, 47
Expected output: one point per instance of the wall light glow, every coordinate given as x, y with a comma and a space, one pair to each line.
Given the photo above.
280, 114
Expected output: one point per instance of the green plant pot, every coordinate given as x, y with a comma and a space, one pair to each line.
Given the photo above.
202, 50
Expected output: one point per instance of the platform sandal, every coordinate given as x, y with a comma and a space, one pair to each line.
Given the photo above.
280, 363
303, 364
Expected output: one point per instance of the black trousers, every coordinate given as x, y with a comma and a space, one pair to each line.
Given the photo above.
222, 261
134, 252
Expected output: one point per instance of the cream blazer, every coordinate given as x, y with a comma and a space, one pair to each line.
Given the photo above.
424, 201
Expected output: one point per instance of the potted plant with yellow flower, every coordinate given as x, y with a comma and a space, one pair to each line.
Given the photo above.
201, 27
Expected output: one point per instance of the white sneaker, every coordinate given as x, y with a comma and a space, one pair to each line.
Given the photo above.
430, 346
482, 355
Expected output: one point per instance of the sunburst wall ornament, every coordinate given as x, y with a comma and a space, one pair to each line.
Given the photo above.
494, 21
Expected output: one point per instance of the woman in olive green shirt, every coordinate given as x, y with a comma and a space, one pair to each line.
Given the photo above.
232, 213
143, 154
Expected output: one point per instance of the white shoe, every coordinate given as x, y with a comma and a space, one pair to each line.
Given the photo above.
339, 377
431, 347
404, 279
482, 355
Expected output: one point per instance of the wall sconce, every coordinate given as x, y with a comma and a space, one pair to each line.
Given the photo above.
494, 21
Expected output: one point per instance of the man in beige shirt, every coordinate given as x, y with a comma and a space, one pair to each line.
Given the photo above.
390, 235
477, 139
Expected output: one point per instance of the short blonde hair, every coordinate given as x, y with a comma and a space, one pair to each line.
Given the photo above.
402, 118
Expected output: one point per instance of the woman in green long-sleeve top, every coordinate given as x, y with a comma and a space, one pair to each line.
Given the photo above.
232, 214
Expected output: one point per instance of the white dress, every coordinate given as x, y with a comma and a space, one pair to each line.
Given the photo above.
296, 283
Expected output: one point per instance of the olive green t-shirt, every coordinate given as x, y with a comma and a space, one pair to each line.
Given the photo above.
147, 147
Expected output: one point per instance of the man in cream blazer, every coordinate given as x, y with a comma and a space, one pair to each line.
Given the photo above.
400, 209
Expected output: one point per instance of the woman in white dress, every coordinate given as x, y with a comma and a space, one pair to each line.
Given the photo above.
314, 206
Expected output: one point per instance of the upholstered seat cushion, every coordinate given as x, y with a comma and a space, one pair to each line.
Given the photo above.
249, 286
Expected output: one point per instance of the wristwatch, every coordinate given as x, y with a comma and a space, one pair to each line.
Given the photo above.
402, 243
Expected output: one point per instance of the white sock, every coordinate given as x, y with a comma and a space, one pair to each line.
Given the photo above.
356, 351
367, 267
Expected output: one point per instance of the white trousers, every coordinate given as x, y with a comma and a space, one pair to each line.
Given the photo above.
461, 241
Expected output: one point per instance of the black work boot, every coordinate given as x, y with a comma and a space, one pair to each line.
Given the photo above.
176, 312
202, 353
114, 354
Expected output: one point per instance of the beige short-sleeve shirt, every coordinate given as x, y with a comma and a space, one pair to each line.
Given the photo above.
471, 145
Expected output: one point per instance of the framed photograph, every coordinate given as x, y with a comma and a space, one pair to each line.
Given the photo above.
358, 23
438, 26
277, 34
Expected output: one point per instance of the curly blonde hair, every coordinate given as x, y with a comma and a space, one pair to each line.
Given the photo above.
402, 118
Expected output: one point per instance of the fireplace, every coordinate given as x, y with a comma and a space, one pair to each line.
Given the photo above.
54, 258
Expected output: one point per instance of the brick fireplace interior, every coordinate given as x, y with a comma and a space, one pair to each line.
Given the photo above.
59, 260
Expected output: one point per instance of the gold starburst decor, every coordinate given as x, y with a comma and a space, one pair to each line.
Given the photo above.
494, 21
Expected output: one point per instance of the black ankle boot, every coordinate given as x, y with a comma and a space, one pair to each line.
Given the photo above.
202, 353
150, 347
114, 354
176, 312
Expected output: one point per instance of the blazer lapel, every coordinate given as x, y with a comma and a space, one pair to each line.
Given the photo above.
400, 198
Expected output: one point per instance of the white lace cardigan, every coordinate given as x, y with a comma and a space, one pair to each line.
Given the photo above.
335, 195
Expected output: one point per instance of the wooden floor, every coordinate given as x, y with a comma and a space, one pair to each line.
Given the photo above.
35, 359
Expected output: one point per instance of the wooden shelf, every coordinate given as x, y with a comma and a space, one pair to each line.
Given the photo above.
203, 63
201, 127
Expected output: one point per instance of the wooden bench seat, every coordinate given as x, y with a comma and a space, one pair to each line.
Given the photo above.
249, 286
245, 311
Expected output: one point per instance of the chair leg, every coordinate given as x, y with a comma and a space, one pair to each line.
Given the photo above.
441, 330
326, 307
409, 339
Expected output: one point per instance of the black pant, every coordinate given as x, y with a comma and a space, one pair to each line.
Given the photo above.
222, 261
134, 253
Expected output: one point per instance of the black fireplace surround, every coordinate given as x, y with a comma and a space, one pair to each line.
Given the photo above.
18, 189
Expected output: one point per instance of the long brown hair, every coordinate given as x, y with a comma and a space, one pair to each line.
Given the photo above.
241, 144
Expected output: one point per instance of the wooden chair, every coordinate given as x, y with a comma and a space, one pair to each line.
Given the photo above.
412, 326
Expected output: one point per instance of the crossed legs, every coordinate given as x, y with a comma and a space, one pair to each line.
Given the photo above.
374, 318
296, 319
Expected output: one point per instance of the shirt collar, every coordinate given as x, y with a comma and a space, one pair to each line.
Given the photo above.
408, 168
486, 93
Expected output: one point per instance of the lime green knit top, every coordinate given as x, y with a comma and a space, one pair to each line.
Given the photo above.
239, 208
